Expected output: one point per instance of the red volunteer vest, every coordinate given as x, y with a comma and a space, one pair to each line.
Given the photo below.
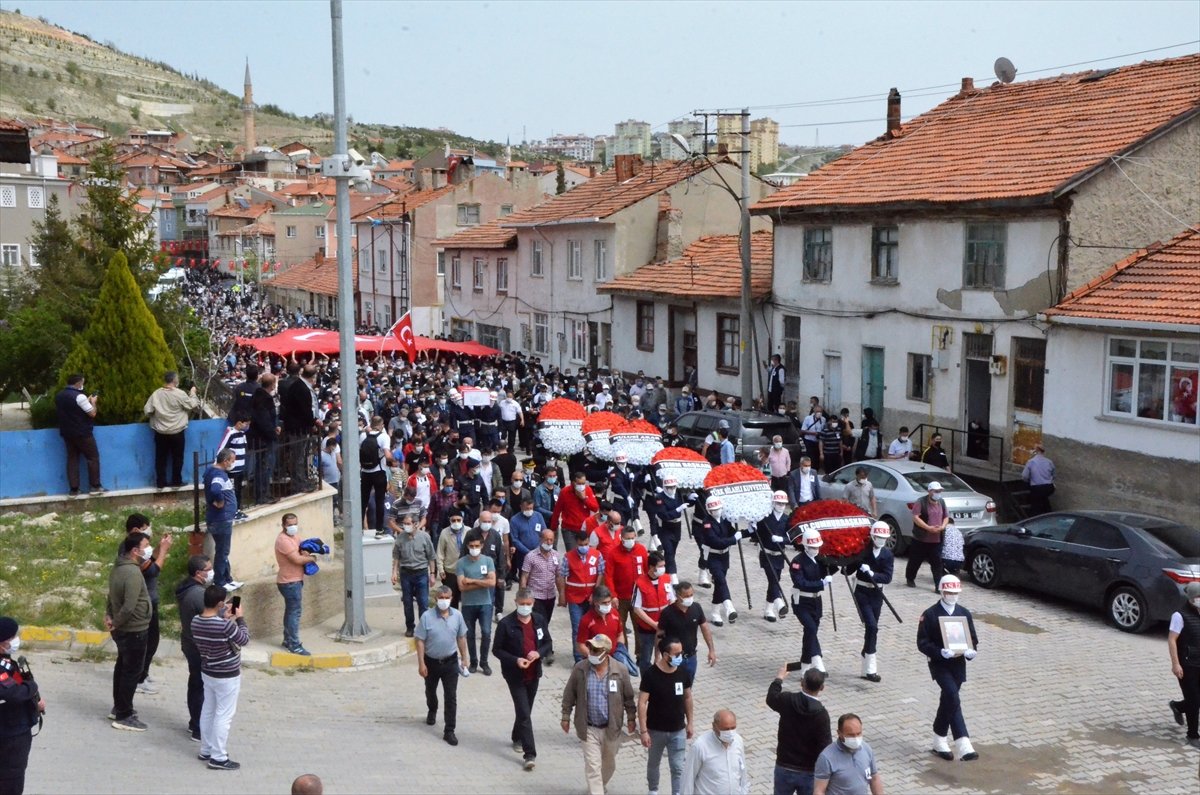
654, 600
582, 575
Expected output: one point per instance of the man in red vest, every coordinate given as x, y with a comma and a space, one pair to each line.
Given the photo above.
572, 509
651, 596
602, 620
623, 564
606, 535
578, 574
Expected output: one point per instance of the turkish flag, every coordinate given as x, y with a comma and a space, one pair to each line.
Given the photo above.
402, 330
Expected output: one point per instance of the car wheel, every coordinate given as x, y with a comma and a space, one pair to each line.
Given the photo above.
1127, 609
896, 541
984, 570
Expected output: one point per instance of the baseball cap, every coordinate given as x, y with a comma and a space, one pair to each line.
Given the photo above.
600, 643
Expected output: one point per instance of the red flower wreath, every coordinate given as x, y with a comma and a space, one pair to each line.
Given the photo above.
562, 409
600, 421
845, 529
680, 454
737, 472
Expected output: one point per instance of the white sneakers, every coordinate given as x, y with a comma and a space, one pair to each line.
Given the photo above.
730, 612
818, 663
233, 585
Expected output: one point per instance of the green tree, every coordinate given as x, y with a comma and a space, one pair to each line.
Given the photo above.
560, 178
122, 352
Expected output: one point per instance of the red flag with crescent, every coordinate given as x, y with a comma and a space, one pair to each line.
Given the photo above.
402, 329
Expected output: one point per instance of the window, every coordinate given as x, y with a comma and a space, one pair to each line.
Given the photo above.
541, 333
791, 348
920, 375
385, 317
729, 355
574, 259
1051, 528
501, 276
10, 254
818, 254
578, 329
885, 254
468, 214
535, 259
8, 196
441, 264
291, 231
601, 251
319, 231
35, 196
477, 274
1029, 373
983, 259
1153, 379
505, 209
381, 260
456, 272
645, 326
367, 310
461, 329
493, 336
1090, 532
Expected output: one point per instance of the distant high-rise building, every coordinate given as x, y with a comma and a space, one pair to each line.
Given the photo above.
763, 142
248, 111
570, 147
689, 130
629, 138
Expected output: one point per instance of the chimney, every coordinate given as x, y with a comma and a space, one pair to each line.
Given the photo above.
591, 171
893, 112
627, 166
722, 150
968, 86
668, 243
425, 179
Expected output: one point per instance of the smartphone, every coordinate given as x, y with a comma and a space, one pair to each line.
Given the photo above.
794, 666
235, 602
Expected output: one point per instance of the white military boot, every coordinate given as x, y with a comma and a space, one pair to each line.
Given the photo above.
674, 579
818, 663
716, 617
966, 752
769, 612
941, 747
705, 579
730, 612
781, 606
869, 670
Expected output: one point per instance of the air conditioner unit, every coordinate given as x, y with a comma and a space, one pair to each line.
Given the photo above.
998, 365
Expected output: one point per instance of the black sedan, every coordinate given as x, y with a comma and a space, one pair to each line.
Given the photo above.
1133, 565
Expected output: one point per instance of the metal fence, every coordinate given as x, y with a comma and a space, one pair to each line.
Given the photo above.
268, 474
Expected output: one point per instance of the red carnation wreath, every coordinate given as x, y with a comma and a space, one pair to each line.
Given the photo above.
560, 426
596, 429
845, 529
745, 492
688, 467
637, 439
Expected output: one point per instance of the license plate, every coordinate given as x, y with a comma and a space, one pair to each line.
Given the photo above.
963, 514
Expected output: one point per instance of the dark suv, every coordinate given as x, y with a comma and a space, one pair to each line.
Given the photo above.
750, 432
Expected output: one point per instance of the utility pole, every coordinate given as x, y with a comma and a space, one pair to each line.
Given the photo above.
748, 363
354, 626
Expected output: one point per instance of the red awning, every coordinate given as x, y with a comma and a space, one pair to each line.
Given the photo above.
300, 340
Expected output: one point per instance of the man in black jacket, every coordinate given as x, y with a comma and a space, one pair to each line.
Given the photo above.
264, 430
298, 410
948, 668
803, 731
189, 596
522, 640
20, 706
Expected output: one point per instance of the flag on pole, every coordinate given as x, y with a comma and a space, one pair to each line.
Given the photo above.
402, 330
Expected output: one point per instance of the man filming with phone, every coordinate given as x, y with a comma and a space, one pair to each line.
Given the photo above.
803, 729
219, 633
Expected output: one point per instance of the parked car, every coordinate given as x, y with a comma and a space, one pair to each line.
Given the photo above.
1133, 565
898, 486
750, 432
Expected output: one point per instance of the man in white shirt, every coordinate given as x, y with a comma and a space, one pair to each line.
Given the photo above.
901, 447
511, 418
716, 762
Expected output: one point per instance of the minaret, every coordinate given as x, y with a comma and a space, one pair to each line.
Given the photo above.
248, 111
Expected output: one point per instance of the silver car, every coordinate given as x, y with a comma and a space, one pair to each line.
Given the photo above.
898, 486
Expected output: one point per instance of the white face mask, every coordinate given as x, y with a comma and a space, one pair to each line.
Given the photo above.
596, 659
409, 528
628, 542
14, 645
443, 604
727, 736
456, 525
475, 551
861, 481
528, 513
547, 547
778, 445
811, 551
292, 530
603, 609
779, 509
579, 487
670, 491
716, 515
485, 526
524, 610
147, 553
853, 743
879, 541
208, 577
659, 572
688, 601
951, 599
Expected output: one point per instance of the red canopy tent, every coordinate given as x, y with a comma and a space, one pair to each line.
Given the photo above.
300, 340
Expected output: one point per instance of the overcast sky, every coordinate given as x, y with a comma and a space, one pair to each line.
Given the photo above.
496, 69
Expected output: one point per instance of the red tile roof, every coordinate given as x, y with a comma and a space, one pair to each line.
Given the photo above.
1157, 284
602, 195
489, 235
709, 268
67, 159
1020, 141
253, 212
316, 275
396, 206
258, 228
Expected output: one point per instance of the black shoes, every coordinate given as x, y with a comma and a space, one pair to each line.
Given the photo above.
431, 718
408, 633
473, 668
911, 583
1177, 709
487, 671
947, 755
872, 677
225, 764
450, 738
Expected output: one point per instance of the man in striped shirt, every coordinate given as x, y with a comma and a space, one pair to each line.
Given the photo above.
235, 439
219, 633
539, 573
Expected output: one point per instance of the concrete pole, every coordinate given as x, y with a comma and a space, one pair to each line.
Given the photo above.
355, 623
748, 364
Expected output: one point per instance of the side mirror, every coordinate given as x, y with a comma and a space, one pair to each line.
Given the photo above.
1021, 531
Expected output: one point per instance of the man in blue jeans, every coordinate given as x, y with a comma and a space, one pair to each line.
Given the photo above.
290, 580
414, 569
220, 505
476, 581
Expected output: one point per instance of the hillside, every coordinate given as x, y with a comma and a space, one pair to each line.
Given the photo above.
46, 70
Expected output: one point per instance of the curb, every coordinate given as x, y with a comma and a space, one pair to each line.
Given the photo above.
255, 655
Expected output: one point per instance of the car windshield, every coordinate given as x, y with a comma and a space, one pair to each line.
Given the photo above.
1175, 540
921, 480
761, 434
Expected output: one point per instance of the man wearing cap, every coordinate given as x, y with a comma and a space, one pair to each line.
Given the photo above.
668, 508
872, 572
809, 579
771, 532
462, 419
686, 402
487, 418
930, 518
1183, 644
598, 693
949, 669
620, 485
715, 536
20, 707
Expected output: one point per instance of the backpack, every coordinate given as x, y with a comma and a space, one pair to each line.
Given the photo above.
713, 453
368, 451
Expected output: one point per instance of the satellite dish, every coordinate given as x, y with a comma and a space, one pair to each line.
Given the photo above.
1005, 71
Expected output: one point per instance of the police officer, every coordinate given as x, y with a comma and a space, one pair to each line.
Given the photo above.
20, 708
809, 579
669, 505
716, 536
872, 572
620, 485
462, 419
949, 669
771, 532
488, 419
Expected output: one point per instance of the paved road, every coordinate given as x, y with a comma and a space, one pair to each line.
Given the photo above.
1056, 702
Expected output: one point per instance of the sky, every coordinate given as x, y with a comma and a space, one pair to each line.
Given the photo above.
526, 70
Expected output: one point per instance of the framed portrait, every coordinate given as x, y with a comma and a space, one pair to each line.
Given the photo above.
956, 635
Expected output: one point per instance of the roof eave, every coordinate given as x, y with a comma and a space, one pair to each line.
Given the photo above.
1063, 319
1043, 201
559, 222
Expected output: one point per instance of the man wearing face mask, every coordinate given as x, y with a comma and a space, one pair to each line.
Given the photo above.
803, 485
127, 617
872, 572
716, 762
526, 527
620, 484
477, 582
779, 463
623, 565
539, 573
581, 570
414, 569
21, 704
493, 529
771, 532
573, 508
602, 619
683, 619
809, 579
290, 580
522, 642
1183, 644
449, 549
665, 714
652, 596
668, 507
715, 536
861, 494
151, 567
545, 495
847, 766
901, 447
441, 646
811, 428
599, 693
948, 669
189, 596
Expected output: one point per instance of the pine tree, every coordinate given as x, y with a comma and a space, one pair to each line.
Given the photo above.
122, 352
560, 178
